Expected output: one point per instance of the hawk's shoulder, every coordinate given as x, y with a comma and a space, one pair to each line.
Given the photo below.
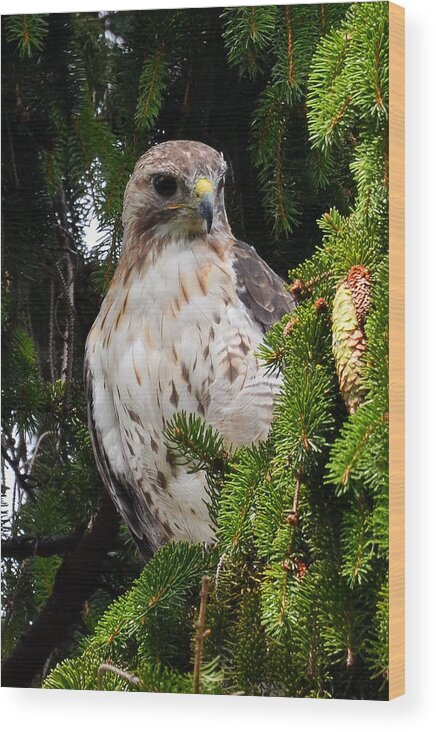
261, 290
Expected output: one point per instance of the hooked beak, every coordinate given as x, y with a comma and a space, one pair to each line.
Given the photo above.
205, 198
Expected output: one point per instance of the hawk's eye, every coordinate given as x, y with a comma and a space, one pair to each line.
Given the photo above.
165, 185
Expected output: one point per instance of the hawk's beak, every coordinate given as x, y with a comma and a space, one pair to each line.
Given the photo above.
205, 198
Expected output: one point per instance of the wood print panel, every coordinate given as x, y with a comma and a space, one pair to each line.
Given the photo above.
202, 410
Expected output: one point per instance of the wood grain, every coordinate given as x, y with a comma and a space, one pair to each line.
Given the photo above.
396, 355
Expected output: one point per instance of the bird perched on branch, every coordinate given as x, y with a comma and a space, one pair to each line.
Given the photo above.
178, 330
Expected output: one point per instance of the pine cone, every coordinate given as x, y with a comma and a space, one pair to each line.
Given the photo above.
292, 518
350, 308
321, 305
301, 568
296, 288
359, 284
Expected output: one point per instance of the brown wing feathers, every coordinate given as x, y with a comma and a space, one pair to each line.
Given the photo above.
261, 290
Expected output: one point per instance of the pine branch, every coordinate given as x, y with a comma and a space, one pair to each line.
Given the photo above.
151, 89
27, 31
202, 633
194, 443
248, 34
290, 47
21, 478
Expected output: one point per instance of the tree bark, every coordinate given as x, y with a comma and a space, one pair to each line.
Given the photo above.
22, 547
75, 580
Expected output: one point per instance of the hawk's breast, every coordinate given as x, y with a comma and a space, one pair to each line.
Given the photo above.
174, 336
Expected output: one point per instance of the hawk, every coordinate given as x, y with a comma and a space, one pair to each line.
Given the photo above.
178, 330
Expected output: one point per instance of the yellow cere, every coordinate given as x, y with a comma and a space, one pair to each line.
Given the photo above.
202, 187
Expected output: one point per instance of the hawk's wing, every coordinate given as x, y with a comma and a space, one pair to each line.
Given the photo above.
241, 395
261, 290
144, 528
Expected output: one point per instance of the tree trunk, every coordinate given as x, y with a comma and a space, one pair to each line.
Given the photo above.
75, 581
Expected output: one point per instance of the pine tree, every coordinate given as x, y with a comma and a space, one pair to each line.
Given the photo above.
294, 596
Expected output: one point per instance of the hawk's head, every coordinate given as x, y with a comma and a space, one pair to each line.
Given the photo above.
177, 192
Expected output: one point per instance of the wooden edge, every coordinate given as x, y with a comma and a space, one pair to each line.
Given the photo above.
396, 354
